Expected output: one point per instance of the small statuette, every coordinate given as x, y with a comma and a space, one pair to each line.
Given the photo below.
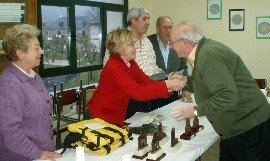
174, 140
157, 153
143, 148
161, 135
188, 134
175, 143
196, 126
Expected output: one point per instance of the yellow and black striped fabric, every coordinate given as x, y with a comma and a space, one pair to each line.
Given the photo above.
100, 141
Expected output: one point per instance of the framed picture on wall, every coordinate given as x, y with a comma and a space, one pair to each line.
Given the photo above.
214, 9
263, 27
236, 19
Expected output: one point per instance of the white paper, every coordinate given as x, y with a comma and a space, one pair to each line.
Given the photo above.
94, 126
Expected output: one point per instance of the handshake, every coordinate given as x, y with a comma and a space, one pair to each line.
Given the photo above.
176, 81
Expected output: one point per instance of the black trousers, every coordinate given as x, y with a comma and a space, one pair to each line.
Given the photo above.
147, 106
252, 145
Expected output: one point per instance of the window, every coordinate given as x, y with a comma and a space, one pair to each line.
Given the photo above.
83, 32
46, 33
117, 17
55, 43
88, 45
73, 36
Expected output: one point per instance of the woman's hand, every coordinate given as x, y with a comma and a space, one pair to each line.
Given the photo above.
46, 155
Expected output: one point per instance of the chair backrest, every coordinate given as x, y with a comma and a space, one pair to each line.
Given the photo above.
64, 99
261, 83
54, 99
68, 96
87, 93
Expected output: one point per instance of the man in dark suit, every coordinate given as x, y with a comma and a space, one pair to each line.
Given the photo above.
166, 59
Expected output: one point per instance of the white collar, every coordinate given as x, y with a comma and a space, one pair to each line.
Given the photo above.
30, 74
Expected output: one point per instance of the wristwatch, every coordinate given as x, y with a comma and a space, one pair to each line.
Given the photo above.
195, 111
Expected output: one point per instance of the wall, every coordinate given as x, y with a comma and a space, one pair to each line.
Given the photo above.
30, 18
254, 52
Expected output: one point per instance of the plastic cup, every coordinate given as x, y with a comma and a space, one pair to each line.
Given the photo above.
80, 154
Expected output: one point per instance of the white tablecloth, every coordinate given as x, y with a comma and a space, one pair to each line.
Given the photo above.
189, 151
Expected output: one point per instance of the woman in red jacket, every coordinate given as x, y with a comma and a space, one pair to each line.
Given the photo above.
122, 79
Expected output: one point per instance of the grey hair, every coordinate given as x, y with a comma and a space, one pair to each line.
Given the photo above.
17, 38
193, 34
162, 17
136, 12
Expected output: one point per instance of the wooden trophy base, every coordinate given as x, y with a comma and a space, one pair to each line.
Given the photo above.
176, 147
156, 156
185, 136
164, 140
141, 154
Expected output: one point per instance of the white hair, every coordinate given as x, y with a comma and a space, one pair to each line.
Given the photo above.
136, 12
194, 35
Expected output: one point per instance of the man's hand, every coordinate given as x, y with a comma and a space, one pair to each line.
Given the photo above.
178, 75
181, 113
175, 75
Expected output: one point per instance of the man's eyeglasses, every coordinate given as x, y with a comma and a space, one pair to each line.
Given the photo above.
172, 42
166, 27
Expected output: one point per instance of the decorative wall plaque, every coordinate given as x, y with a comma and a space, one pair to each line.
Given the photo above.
214, 9
236, 19
263, 27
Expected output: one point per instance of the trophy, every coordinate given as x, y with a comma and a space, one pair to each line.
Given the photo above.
188, 134
162, 137
175, 143
143, 148
156, 153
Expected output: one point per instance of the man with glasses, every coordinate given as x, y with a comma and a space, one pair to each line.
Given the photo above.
226, 94
166, 59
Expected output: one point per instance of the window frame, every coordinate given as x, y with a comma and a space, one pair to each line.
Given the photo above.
104, 7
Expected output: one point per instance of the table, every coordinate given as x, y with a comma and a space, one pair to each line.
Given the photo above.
189, 151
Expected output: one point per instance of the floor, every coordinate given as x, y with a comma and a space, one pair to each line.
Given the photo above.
212, 154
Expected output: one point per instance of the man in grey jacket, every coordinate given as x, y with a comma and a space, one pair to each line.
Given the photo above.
226, 94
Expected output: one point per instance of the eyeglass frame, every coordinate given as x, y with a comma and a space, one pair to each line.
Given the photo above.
172, 42
166, 27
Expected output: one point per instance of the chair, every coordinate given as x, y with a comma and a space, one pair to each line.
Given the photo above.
87, 93
54, 98
261, 83
67, 98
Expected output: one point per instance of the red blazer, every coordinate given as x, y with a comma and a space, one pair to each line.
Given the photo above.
117, 84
